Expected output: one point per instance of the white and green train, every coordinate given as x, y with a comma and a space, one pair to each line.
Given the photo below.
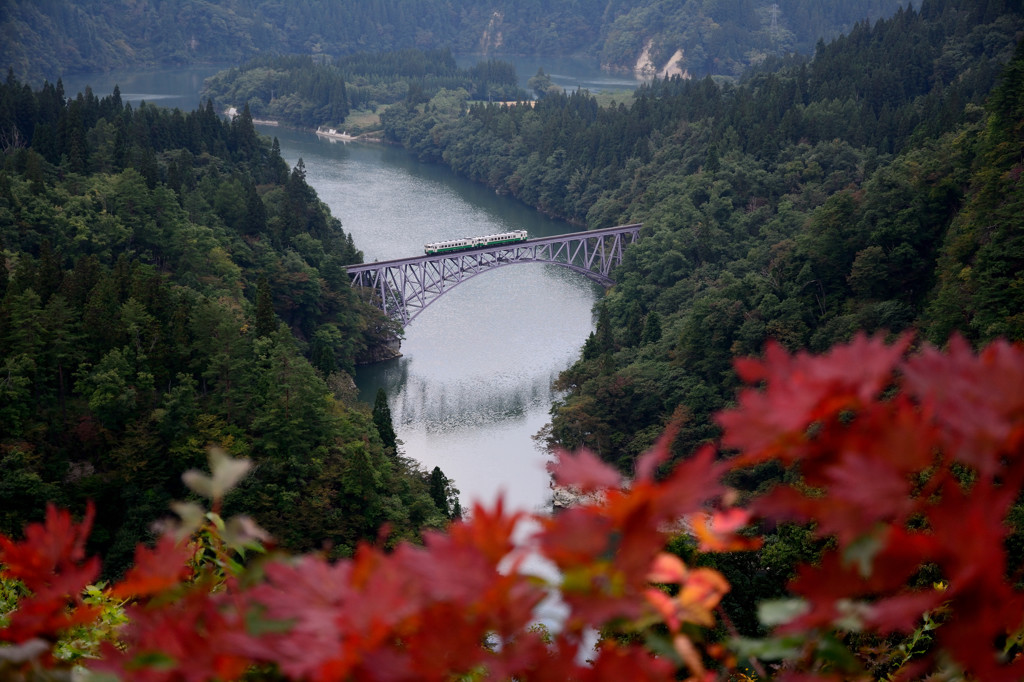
475, 242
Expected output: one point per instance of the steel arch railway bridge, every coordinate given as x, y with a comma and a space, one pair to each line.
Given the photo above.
403, 288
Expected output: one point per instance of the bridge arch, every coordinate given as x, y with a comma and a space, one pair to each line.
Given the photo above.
403, 288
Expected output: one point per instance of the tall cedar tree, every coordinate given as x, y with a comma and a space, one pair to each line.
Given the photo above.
382, 420
266, 320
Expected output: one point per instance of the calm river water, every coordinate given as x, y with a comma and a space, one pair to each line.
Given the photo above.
474, 382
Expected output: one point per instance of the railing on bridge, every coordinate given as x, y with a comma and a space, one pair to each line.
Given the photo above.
403, 288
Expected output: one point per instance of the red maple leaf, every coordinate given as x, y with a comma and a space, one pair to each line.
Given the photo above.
156, 570
802, 389
717, 531
51, 562
50, 547
306, 599
187, 640
583, 470
976, 400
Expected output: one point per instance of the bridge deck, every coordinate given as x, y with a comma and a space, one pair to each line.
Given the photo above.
363, 267
404, 287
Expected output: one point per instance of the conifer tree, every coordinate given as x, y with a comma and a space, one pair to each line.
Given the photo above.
633, 324
652, 329
266, 320
255, 221
4, 273
278, 168
437, 489
603, 334
445, 495
50, 273
382, 420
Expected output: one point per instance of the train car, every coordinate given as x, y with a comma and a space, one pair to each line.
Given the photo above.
475, 242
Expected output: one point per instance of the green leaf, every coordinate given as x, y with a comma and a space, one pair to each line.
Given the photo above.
852, 614
226, 473
155, 659
663, 647
833, 651
191, 514
216, 520
780, 611
862, 551
769, 649
257, 624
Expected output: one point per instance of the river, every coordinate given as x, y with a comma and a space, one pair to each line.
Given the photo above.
473, 385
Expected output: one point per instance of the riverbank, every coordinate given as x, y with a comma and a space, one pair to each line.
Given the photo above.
382, 353
231, 112
333, 134
321, 131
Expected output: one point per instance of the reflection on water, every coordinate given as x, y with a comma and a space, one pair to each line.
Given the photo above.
466, 404
167, 88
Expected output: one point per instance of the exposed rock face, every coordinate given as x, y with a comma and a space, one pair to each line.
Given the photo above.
492, 39
566, 497
675, 66
381, 353
645, 67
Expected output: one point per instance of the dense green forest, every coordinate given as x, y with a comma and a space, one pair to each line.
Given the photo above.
871, 187
304, 92
167, 283
57, 37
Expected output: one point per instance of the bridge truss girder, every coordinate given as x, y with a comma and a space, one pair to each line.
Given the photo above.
404, 288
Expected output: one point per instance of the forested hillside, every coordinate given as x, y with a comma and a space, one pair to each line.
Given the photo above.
303, 92
168, 283
46, 40
872, 187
